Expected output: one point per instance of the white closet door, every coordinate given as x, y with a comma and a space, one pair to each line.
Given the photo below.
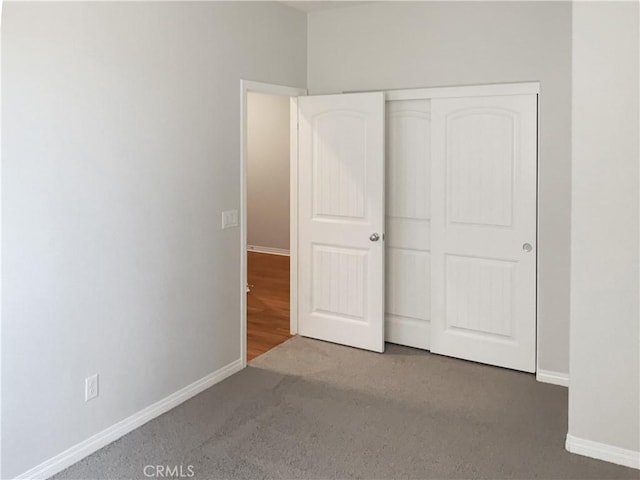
483, 229
408, 268
341, 219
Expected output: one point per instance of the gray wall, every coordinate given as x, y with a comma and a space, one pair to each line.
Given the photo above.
604, 386
391, 45
120, 150
268, 171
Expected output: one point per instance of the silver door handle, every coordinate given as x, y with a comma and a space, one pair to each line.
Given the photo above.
527, 247
374, 237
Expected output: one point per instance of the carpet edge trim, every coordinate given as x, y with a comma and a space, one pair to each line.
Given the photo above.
603, 451
101, 439
269, 250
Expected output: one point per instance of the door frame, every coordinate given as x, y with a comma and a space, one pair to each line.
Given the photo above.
497, 89
247, 86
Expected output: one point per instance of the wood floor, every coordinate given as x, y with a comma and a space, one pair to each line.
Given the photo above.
267, 302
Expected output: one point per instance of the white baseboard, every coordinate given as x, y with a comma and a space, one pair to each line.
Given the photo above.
92, 444
270, 250
555, 378
602, 451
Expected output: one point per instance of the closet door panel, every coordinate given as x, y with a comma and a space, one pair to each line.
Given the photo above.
484, 167
408, 268
341, 219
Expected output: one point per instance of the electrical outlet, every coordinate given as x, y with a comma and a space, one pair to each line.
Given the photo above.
90, 387
229, 219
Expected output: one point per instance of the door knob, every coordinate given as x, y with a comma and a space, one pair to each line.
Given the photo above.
527, 247
374, 237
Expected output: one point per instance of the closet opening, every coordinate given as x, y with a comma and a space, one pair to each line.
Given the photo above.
412, 220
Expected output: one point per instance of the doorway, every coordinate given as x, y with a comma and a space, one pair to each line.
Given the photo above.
267, 222
266, 217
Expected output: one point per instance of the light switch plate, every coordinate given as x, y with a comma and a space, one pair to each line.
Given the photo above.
91, 387
229, 219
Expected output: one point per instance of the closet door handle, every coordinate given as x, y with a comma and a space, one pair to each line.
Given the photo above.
527, 247
374, 237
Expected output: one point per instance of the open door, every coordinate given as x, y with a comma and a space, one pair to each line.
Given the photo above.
341, 219
483, 229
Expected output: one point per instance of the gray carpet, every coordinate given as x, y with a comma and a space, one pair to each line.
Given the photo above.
310, 409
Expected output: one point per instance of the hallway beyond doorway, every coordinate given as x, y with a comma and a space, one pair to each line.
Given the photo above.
267, 302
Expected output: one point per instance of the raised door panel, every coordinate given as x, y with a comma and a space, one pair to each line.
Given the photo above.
479, 296
480, 166
338, 288
339, 165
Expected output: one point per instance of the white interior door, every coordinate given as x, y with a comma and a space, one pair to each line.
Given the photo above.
341, 219
408, 268
483, 229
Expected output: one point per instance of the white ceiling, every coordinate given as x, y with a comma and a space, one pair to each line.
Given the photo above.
312, 6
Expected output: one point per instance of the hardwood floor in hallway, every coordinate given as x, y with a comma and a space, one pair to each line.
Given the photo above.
267, 302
